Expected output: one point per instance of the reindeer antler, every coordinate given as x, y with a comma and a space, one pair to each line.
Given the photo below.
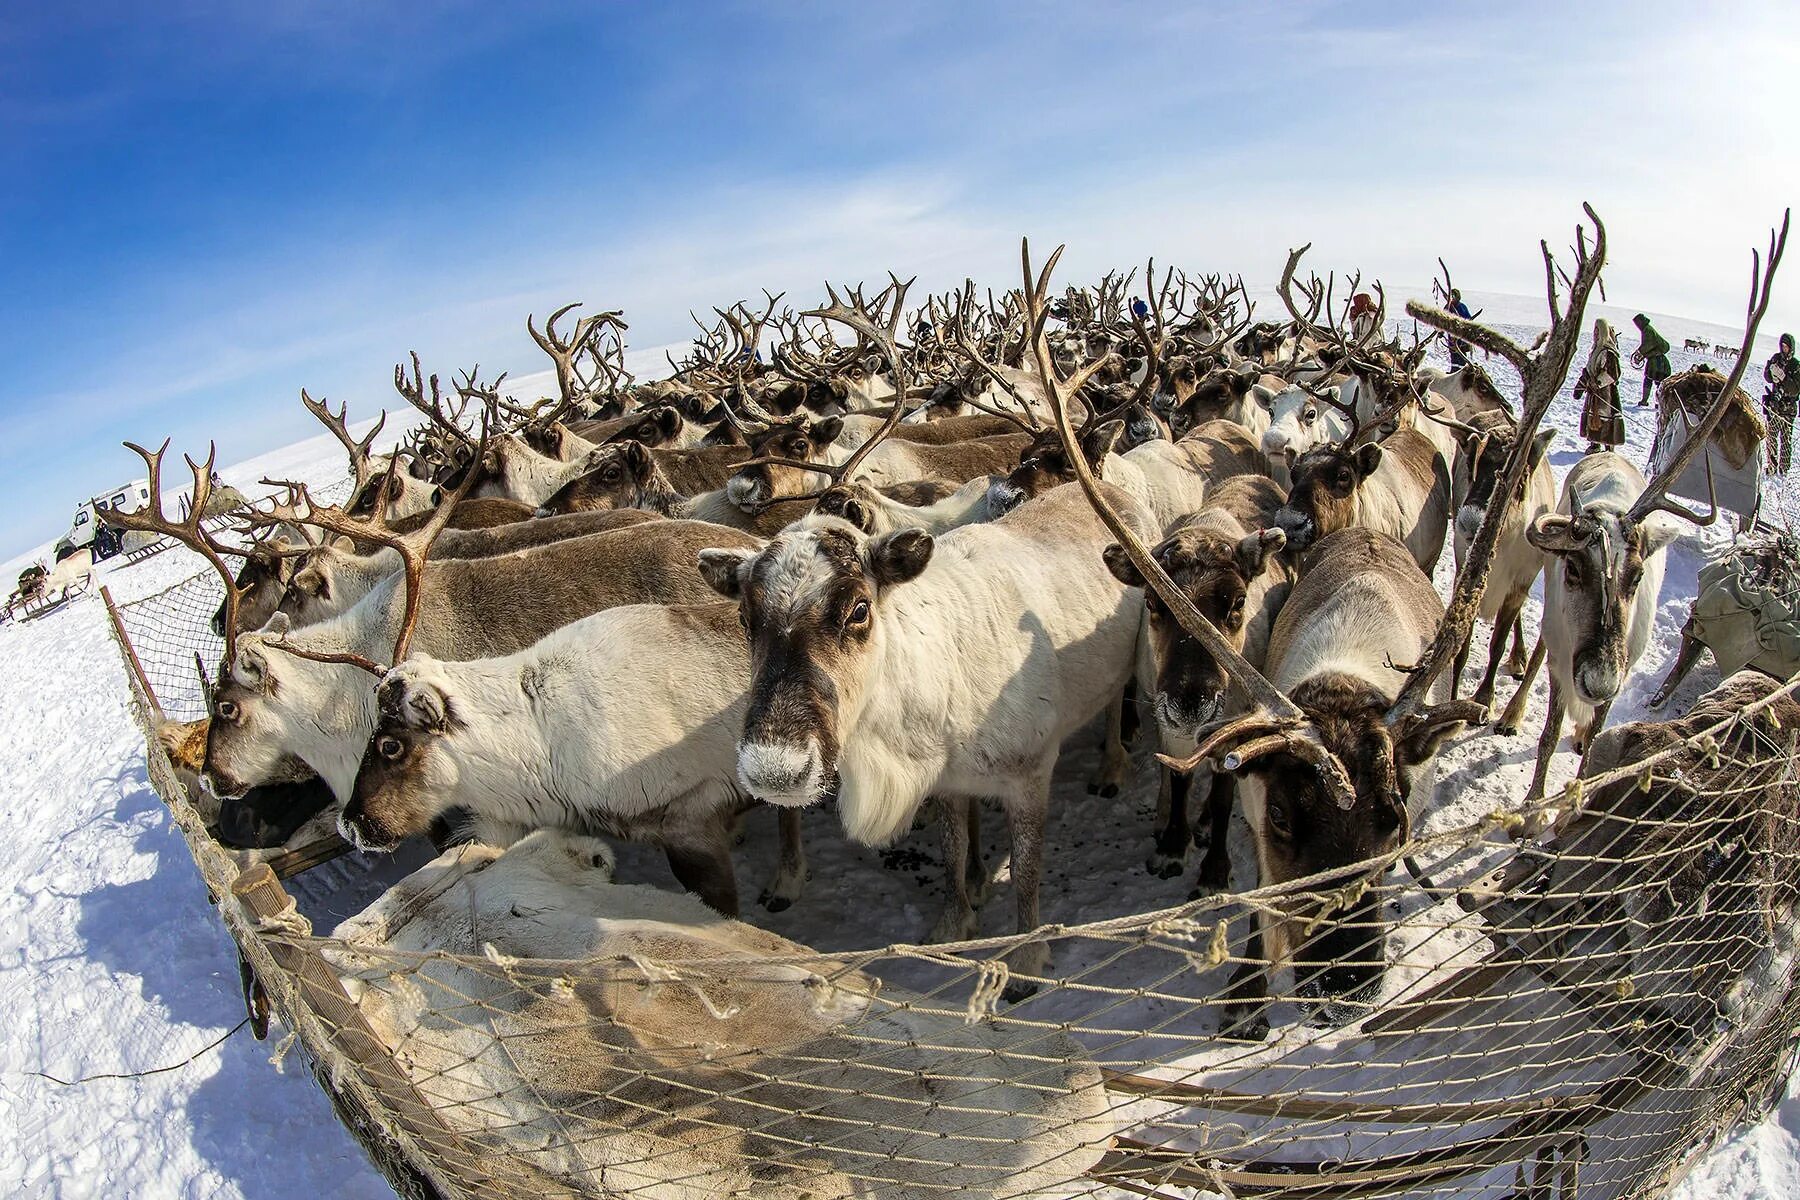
357, 450
412, 547
414, 392
187, 531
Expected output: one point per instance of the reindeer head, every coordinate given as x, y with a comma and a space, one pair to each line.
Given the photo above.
1302, 827
1322, 499
260, 582
1486, 444
1044, 465
1299, 421
616, 477
812, 602
801, 440
1198, 399
1601, 555
405, 772
258, 703
1216, 572
658, 426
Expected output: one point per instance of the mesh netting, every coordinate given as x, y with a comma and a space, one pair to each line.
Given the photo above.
1575, 1015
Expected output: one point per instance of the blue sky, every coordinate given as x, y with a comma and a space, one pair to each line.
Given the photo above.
210, 205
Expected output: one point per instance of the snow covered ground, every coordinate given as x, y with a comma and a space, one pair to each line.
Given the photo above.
110, 960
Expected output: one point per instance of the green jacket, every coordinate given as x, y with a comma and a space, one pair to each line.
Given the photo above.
1652, 351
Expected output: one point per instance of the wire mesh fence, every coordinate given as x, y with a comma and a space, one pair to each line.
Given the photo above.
1574, 1015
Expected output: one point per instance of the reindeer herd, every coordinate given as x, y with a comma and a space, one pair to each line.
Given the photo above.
893, 558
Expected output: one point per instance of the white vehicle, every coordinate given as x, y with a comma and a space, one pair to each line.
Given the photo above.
87, 530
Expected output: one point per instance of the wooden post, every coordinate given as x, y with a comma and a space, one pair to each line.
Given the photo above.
318, 988
137, 667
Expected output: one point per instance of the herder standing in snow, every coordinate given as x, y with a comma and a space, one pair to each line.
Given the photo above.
1602, 420
1780, 403
1459, 349
1652, 354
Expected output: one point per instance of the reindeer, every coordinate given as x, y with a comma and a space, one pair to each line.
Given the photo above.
1228, 562
874, 511
330, 578
1168, 479
1018, 637
1399, 486
1606, 540
624, 723
1516, 563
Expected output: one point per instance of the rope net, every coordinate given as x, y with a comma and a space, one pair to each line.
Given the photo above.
1468, 1016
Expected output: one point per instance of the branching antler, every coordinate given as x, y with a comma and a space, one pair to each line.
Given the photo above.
339, 426
187, 531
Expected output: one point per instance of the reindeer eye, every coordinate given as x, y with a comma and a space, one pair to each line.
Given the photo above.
389, 747
1279, 825
1310, 415
859, 613
227, 710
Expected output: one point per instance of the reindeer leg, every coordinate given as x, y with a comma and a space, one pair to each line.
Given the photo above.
1128, 714
1546, 749
975, 876
703, 867
1215, 868
790, 868
1025, 815
1515, 708
1114, 761
1515, 666
957, 922
1173, 836
1244, 1014
1462, 660
1504, 622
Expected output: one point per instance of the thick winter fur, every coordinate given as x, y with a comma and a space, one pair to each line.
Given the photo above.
1600, 593
272, 704
512, 470
904, 667
333, 577
1168, 479
1298, 423
1470, 393
873, 511
1515, 563
893, 461
736, 1076
1400, 487
624, 723
1226, 393
1361, 606
623, 473
1229, 562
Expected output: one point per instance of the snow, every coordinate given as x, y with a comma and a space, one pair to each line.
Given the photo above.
110, 960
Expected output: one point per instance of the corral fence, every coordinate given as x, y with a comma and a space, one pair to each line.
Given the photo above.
1579, 1016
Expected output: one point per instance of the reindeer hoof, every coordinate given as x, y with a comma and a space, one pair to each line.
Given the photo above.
773, 903
1245, 1027
1018, 992
1105, 791
1505, 729
1164, 866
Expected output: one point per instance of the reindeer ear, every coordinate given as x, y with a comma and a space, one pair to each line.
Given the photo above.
312, 582
1420, 739
1247, 376
425, 706
1553, 533
1100, 441
1368, 457
1254, 552
668, 422
1121, 566
1263, 396
723, 571
1541, 443
899, 556
825, 432
636, 457
396, 487
277, 625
